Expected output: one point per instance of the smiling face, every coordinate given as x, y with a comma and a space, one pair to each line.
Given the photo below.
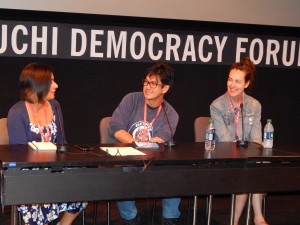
236, 83
154, 95
53, 87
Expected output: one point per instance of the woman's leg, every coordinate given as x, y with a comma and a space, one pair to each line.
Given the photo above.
257, 208
68, 218
240, 202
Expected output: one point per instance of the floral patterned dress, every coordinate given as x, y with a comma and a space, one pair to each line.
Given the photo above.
39, 214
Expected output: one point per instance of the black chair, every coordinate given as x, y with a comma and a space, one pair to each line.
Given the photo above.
200, 125
4, 140
104, 139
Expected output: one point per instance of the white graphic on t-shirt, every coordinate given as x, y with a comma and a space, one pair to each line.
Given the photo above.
137, 130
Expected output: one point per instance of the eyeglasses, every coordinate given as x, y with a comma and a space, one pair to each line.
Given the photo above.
152, 84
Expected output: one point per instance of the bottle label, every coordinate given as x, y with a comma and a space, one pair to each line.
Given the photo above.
210, 136
269, 135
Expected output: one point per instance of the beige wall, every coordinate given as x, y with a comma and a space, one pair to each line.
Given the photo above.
267, 12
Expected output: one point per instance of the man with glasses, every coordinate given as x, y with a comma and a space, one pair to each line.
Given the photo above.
141, 116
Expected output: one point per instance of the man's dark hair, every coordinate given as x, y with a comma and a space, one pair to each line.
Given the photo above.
164, 71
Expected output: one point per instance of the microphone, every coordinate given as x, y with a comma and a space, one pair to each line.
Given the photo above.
170, 143
60, 148
243, 142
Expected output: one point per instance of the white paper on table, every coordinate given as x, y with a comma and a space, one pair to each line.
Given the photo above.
42, 145
121, 151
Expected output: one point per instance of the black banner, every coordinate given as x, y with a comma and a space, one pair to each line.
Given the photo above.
127, 44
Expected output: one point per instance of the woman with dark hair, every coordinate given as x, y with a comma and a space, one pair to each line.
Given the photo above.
35, 118
226, 113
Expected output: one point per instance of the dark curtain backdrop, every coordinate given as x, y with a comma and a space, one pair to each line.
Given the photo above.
90, 90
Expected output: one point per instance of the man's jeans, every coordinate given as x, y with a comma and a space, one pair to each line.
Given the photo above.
170, 207
128, 210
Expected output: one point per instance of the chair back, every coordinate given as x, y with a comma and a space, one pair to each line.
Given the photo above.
4, 140
200, 125
103, 131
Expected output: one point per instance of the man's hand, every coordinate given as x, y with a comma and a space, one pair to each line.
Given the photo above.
157, 139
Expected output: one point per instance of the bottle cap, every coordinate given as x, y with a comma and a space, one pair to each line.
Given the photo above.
211, 121
269, 121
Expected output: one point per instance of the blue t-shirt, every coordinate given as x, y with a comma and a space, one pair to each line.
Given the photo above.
129, 116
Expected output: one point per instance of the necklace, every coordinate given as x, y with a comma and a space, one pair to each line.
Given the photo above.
236, 112
147, 128
45, 136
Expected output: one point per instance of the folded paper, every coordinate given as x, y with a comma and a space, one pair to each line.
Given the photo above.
42, 146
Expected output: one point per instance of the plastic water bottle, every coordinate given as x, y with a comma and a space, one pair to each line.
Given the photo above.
268, 134
210, 141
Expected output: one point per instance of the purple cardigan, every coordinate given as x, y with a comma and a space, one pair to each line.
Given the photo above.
18, 124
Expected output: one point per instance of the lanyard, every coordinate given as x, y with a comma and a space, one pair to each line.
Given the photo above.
236, 112
147, 128
44, 136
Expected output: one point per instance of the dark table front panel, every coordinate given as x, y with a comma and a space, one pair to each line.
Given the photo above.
184, 170
37, 186
272, 178
271, 172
